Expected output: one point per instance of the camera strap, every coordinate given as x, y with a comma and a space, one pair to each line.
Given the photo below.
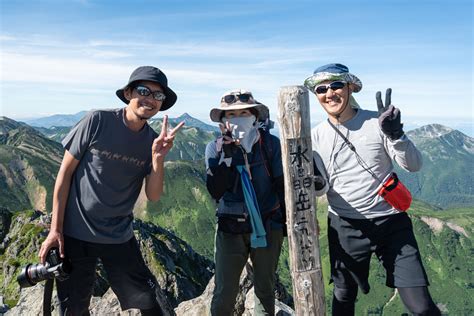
47, 295
393, 191
361, 161
348, 143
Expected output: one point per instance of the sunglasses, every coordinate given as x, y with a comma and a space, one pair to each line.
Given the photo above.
232, 98
145, 91
323, 88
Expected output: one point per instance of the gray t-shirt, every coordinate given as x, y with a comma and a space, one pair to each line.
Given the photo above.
114, 160
352, 189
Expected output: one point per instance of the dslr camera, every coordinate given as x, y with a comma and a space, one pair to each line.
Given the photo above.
54, 268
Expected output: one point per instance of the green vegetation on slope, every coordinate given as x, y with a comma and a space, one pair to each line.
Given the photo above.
28, 163
447, 254
190, 142
186, 207
445, 179
26, 238
28, 166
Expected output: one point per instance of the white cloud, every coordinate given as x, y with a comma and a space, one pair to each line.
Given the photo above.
106, 54
201, 71
4, 37
43, 69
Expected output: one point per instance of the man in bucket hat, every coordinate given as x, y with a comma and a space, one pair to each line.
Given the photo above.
354, 150
245, 177
107, 156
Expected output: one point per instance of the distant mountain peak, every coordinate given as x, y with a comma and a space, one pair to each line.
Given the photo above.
447, 138
432, 131
57, 120
194, 122
184, 116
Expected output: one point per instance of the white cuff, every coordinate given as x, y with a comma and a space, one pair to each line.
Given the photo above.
227, 161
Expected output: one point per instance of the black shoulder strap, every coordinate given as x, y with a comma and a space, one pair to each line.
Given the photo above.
267, 152
348, 143
47, 295
361, 161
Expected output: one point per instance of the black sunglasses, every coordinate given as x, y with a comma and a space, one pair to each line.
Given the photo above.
323, 88
145, 91
231, 98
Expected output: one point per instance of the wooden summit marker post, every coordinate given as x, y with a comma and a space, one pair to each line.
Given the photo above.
297, 158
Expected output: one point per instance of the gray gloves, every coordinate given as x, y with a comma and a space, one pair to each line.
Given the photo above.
389, 116
319, 181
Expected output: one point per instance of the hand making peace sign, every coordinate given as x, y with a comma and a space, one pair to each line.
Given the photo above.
164, 142
389, 116
227, 140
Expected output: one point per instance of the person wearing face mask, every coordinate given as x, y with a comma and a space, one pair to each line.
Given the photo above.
245, 177
367, 203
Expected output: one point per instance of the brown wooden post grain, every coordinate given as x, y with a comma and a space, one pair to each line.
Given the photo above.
297, 156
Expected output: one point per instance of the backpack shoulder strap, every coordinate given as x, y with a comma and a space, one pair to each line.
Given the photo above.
266, 148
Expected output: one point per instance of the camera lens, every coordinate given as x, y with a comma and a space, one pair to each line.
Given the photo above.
38, 272
54, 267
23, 278
32, 274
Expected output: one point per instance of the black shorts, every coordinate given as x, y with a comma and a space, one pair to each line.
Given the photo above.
127, 273
352, 242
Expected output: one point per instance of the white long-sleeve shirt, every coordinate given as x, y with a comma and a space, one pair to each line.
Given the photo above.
352, 189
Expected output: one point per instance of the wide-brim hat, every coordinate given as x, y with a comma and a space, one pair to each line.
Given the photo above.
217, 113
153, 74
333, 72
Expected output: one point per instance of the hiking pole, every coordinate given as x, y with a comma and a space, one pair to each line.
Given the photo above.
303, 241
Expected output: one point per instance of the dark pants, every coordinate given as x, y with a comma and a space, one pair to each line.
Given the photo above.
417, 300
351, 245
231, 253
127, 273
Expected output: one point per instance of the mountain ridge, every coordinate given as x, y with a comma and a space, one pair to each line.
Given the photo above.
445, 179
56, 120
29, 163
187, 209
69, 120
181, 272
432, 130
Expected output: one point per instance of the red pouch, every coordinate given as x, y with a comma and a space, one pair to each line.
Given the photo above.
395, 193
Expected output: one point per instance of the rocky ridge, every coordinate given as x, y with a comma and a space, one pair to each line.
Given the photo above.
182, 274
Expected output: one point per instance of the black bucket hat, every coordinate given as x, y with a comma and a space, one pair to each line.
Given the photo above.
150, 73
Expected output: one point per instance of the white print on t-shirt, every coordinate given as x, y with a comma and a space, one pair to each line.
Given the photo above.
114, 156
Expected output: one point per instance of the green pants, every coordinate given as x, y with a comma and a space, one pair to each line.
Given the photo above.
231, 254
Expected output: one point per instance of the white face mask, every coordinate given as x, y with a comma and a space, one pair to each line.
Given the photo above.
245, 130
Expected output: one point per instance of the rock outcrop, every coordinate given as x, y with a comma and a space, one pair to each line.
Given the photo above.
181, 273
199, 306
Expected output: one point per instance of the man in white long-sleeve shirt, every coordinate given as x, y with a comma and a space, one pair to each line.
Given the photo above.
354, 150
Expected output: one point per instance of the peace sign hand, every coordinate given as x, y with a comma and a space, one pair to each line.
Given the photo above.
227, 140
389, 116
164, 142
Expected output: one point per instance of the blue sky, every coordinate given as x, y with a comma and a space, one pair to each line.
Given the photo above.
68, 56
